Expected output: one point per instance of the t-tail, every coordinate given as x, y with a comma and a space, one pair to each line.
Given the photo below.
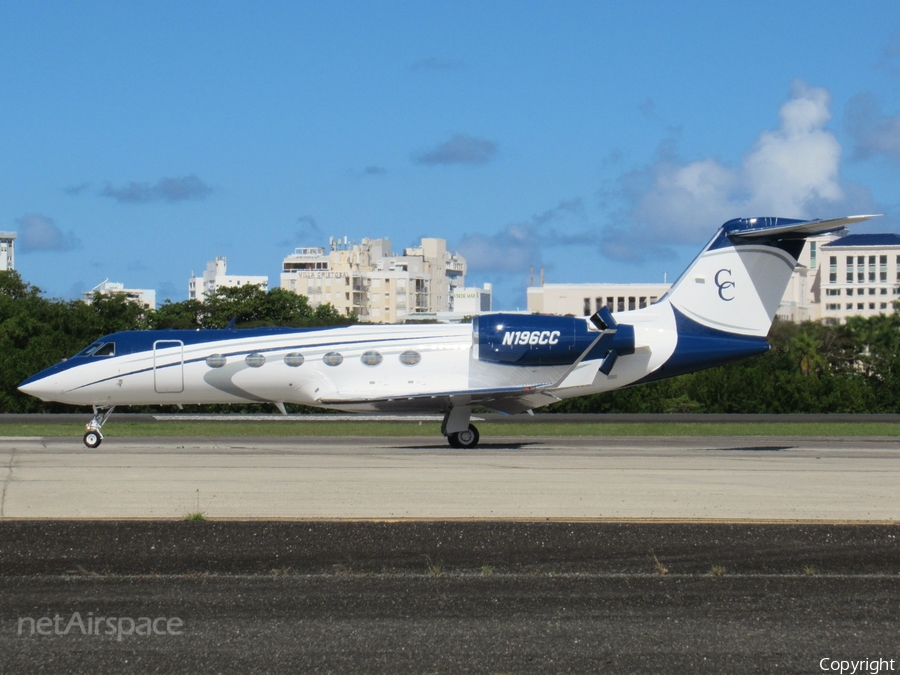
726, 300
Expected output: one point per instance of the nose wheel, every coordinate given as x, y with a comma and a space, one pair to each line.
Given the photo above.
464, 439
93, 437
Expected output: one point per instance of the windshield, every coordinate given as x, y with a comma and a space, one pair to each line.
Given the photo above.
87, 351
109, 349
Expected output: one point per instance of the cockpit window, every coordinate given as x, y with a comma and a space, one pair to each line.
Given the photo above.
109, 349
90, 349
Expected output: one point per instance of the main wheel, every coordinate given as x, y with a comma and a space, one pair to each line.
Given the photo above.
464, 439
92, 439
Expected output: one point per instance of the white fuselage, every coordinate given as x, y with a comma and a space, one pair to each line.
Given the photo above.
383, 367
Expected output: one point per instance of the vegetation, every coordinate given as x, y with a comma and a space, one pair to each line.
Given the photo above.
36, 332
811, 368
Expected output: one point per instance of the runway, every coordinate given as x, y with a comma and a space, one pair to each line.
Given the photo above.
665, 479
447, 597
401, 555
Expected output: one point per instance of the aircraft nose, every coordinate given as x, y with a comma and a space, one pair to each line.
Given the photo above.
40, 387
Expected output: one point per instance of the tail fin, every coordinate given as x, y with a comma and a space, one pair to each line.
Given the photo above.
736, 283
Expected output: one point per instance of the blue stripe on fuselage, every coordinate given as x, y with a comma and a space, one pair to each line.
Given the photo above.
700, 347
136, 341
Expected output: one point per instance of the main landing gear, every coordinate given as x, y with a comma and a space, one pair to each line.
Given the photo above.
456, 427
93, 437
464, 439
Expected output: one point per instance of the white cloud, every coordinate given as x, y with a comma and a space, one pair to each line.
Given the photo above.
792, 171
40, 233
461, 149
518, 246
873, 132
165, 189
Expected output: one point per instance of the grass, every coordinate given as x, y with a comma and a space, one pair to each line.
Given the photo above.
487, 429
435, 569
661, 569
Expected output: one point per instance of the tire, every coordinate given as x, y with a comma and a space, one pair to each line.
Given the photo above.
464, 439
92, 439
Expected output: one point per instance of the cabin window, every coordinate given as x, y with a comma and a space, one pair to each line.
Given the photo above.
293, 360
109, 349
410, 358
255, 360
371, 358
215, 360
333, 359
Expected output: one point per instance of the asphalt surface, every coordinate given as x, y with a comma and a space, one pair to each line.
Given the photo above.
447, 597
724, 478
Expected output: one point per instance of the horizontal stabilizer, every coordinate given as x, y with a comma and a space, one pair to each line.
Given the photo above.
752, 228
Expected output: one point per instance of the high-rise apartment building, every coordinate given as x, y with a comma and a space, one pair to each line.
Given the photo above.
7, 251
368, 279
216, 276
144, 296
859, 276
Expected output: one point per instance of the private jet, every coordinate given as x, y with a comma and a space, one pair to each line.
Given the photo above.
718, 311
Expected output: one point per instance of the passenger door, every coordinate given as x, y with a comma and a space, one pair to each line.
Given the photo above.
168, 366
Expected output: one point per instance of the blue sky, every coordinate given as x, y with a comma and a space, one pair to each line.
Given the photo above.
602, 141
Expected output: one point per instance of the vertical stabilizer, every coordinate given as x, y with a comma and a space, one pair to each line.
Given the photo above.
736, 284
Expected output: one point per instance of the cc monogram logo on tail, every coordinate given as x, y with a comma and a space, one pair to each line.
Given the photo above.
724, 285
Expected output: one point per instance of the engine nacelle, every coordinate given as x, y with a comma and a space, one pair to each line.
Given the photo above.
531, 339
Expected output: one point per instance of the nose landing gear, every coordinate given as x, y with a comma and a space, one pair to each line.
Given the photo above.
93, 437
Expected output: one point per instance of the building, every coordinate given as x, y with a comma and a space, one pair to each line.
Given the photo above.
585, 299
802, 300
7, 251
472, 301
859, 276
216, 276
838, 275
464, 303
146, 297
368, 279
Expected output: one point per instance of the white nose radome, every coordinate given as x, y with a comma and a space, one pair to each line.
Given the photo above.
42, 388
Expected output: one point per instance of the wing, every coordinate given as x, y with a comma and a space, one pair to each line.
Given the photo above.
506, 399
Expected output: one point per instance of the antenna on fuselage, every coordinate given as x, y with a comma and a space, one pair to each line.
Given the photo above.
231, 323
